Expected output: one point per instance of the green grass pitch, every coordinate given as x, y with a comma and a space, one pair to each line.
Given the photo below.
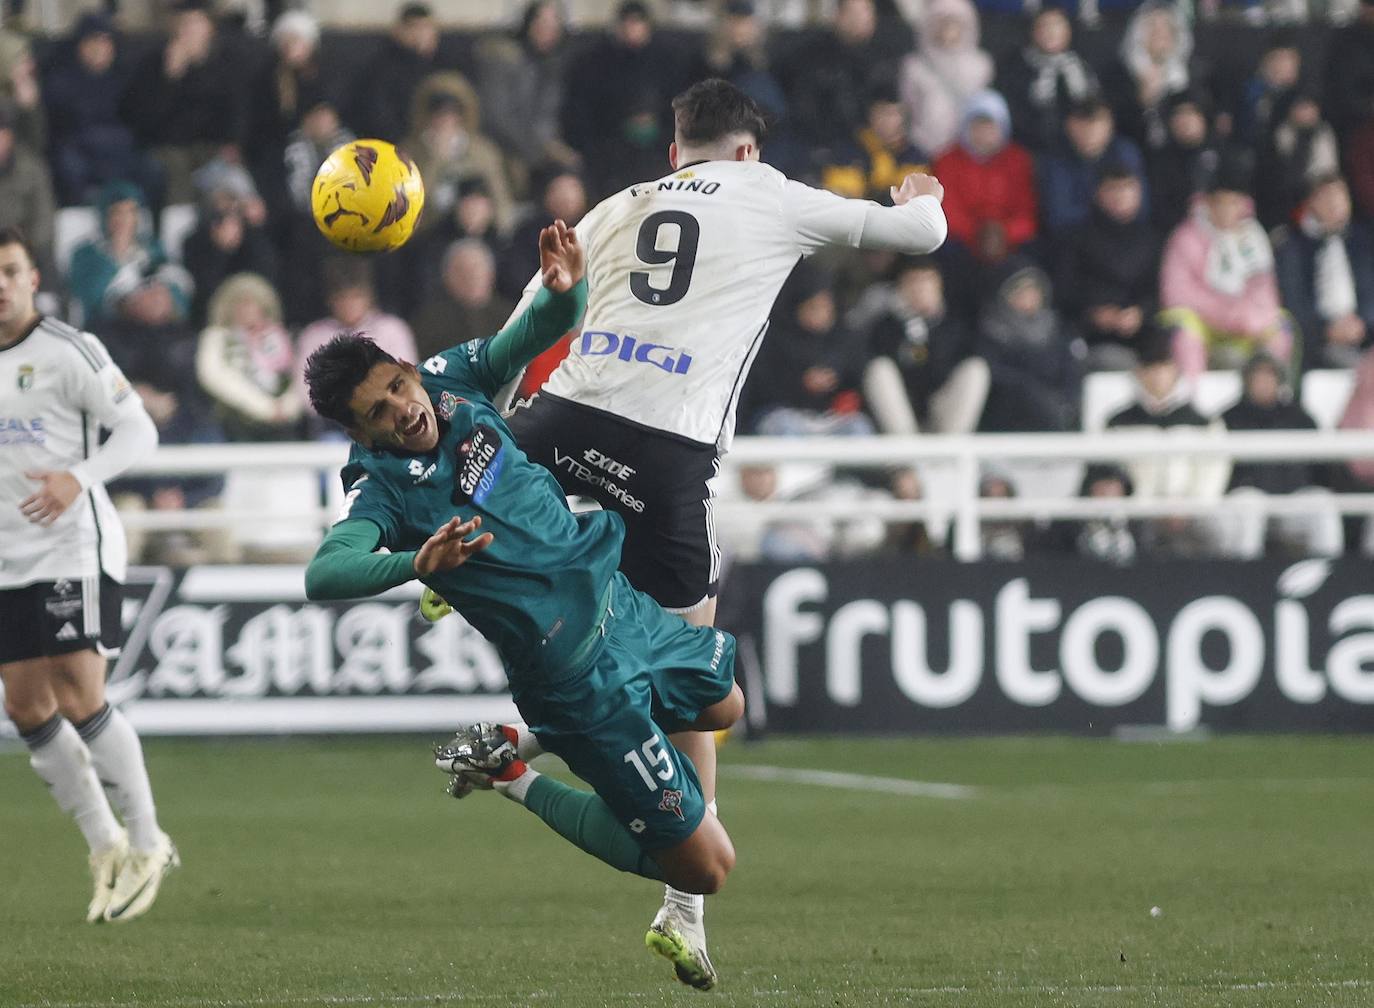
335, 872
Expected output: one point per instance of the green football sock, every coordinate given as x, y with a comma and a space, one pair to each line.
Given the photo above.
583, 819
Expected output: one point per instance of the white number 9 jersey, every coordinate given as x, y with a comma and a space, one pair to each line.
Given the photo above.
682, 274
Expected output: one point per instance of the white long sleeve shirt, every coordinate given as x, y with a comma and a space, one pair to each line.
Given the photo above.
682, 274
58, 387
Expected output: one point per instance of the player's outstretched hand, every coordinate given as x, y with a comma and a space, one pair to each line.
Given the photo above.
560, 257
917, 184
448, 548
46, 504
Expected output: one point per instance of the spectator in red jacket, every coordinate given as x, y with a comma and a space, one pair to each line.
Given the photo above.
989, 182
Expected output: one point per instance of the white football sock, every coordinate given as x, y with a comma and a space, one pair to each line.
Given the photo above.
62, 760
118, 758
691, 903
527, 747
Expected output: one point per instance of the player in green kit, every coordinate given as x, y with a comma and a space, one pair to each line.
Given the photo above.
599, 672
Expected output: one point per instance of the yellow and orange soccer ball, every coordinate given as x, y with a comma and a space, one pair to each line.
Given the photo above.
367, 197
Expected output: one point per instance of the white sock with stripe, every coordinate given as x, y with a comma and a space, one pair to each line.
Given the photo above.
62, 760
118, 758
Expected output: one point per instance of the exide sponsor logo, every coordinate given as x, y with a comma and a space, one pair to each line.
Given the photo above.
598, 343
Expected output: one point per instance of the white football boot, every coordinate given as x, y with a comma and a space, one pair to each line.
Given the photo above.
105, 865
139, 880
678, 934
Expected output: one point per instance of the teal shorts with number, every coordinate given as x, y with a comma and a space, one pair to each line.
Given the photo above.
653, 674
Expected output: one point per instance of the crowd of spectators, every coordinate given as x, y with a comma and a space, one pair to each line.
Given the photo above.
1119, 196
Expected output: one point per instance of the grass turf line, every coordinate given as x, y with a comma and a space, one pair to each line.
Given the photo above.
335, 871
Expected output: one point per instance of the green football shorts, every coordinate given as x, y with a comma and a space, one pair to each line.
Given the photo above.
652, 674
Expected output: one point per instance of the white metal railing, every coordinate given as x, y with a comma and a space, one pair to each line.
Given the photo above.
963, 456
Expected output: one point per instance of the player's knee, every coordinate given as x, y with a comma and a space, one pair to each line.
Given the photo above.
706, 872
706, 878
28, 715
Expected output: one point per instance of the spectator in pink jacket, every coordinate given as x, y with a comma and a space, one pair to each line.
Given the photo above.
945, 71
1218, 287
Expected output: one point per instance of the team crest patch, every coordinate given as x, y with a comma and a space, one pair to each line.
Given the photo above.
448, 403
25, 377
671, 802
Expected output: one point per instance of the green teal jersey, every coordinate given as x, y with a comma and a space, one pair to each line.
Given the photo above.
539, 591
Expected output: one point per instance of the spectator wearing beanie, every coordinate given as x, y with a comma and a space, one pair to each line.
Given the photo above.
989, 183
105, 269
1034, 359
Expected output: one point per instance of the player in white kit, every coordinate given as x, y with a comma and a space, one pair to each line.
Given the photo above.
62, 562
683, 271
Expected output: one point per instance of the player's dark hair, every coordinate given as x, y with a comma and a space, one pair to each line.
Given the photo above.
334, 372
713, 109
12, 235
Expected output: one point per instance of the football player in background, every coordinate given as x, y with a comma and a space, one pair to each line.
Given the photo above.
62, 565
682, 274
599, 671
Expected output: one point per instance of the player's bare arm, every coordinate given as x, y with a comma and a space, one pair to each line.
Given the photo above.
55, 494
449, 546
